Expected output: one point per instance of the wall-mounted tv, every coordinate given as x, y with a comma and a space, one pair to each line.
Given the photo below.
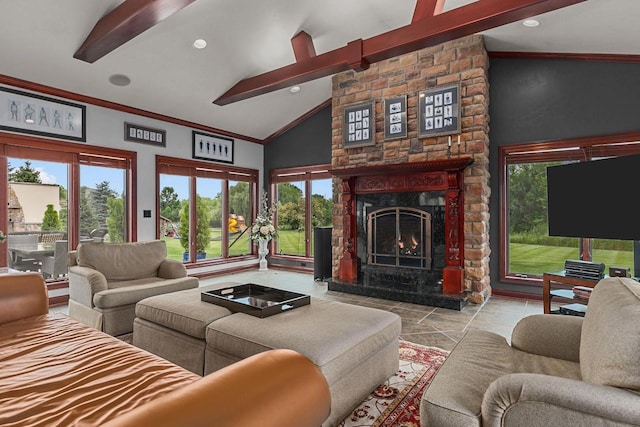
594, 199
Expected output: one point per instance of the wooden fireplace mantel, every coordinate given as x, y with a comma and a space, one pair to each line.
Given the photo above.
442, 165
438, 175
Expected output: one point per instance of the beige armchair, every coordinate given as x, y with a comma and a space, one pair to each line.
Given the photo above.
106, 280
558, 370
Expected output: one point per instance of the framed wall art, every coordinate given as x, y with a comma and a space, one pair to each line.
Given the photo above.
439, 111
212, 147
359, 125
395, 118
145, 135
33, 114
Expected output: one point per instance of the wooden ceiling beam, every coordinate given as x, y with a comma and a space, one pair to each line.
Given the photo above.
303, 48
472, 18
125, 22
426, 9
463, 21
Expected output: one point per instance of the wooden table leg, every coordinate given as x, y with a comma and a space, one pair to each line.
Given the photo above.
546, 296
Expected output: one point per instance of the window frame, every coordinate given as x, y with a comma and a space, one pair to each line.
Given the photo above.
197, 169
21, 146
578, 149
298, 174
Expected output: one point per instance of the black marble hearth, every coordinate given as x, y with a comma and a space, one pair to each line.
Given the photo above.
399, 292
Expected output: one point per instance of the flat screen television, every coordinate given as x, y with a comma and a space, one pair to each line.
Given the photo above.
594, 199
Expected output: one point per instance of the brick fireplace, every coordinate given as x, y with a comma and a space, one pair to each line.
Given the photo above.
445, 185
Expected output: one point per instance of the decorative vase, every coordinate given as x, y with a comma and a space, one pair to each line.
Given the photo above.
263, 251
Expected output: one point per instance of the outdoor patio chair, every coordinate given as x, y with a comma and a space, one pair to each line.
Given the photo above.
22, 241
56, 265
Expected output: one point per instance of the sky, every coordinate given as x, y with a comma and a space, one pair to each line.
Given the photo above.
90, 176
211, 187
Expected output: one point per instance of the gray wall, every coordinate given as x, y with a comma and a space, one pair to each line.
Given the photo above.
536, 100
307, 144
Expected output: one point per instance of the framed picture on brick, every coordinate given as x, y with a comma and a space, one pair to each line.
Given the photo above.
439, 111
359, 125
395, 118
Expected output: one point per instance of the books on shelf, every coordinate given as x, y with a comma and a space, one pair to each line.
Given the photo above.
583, 292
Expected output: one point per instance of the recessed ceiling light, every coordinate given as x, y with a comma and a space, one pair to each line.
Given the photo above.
200, 44
119, 80
295, 89
531, 23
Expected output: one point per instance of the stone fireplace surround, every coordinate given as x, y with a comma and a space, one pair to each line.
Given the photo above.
442, 285
464, 60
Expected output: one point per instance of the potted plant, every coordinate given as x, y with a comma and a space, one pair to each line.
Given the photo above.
202, 229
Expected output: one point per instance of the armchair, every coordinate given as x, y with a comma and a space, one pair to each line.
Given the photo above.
106, 280
558, 370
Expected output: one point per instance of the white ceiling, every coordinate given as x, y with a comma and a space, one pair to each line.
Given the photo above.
248, 37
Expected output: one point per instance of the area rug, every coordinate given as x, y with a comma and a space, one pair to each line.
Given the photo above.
395, 403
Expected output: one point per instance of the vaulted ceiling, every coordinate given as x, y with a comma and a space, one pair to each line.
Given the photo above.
257, 50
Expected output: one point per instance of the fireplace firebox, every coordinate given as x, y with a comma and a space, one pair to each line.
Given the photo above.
399, 236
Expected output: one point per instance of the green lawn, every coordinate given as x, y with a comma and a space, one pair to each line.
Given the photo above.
537, 259
290, 242
524, 258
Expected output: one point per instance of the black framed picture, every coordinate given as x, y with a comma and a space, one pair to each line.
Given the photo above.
212, 147
395, 118
359, 125
439, 111
34, 114
146, 135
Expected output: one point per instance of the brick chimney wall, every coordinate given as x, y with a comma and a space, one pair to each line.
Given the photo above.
464, 60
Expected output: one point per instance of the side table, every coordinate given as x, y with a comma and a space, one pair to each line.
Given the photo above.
560, 277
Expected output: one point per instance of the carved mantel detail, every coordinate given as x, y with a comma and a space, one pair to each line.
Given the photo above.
440, 175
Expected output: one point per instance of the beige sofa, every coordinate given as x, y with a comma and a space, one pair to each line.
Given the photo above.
558, 370
55, 371
106, 280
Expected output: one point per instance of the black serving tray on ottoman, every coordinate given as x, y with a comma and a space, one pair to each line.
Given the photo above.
256, 300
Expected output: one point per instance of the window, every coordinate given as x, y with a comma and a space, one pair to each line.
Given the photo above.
298, 214
205, 210
526, 249
59, 194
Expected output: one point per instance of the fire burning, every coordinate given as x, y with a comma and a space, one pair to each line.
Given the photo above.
409, 248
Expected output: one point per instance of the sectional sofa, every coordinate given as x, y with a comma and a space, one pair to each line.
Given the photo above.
55, 371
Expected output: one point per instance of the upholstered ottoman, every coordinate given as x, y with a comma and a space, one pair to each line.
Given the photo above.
356, 348
172, 326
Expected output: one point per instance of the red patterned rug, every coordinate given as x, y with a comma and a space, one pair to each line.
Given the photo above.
397, 402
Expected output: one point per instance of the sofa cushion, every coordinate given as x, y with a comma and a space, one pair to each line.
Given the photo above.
337, 337
182, 311
132, 291
123, 261
455, 395
610, 341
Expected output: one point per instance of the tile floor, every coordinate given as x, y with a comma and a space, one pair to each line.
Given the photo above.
421, 324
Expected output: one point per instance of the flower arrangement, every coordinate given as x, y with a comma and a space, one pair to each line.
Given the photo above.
2, 236
262, 227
